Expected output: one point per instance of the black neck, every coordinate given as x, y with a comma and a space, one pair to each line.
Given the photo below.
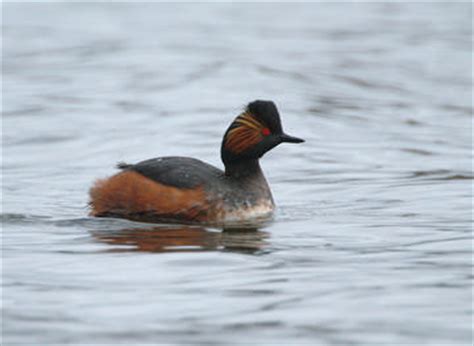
242, 169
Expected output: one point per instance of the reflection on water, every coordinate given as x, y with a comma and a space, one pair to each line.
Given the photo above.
184, 239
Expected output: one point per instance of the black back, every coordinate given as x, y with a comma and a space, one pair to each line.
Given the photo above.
180, 172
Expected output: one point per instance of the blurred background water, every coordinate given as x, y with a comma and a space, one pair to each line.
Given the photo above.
372, 240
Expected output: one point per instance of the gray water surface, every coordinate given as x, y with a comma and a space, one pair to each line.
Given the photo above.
372, 241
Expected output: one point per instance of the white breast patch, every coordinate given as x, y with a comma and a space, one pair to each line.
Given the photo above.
261, 210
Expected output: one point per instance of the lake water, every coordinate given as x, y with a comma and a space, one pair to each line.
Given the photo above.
372, 240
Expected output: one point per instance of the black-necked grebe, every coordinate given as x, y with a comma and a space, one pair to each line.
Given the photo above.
181, 189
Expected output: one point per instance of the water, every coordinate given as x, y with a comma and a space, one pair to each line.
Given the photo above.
372, 240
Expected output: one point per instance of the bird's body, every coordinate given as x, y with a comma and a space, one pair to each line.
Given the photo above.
187, 190
182, 189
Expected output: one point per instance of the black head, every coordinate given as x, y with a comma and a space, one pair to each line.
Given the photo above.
254, 132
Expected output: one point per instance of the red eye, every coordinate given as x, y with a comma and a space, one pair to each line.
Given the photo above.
266, 131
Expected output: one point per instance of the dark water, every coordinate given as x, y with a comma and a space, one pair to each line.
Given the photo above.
372, 240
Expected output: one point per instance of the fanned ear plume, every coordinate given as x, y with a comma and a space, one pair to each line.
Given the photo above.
245, 132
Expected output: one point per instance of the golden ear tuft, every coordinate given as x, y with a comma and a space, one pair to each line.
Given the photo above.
246, 131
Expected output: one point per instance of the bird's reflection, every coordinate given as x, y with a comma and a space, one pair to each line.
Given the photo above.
184, 239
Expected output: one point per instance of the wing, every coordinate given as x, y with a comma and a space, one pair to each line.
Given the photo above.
180, 172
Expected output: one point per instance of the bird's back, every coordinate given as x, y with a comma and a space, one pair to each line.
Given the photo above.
161, 189
176, 171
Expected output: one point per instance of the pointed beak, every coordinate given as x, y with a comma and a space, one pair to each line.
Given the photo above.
290, 139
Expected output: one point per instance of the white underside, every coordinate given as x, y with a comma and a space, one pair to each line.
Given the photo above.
262, 210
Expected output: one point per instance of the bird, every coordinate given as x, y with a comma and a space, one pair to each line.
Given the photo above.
186, 190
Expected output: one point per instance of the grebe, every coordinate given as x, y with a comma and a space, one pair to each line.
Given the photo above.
187, 190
